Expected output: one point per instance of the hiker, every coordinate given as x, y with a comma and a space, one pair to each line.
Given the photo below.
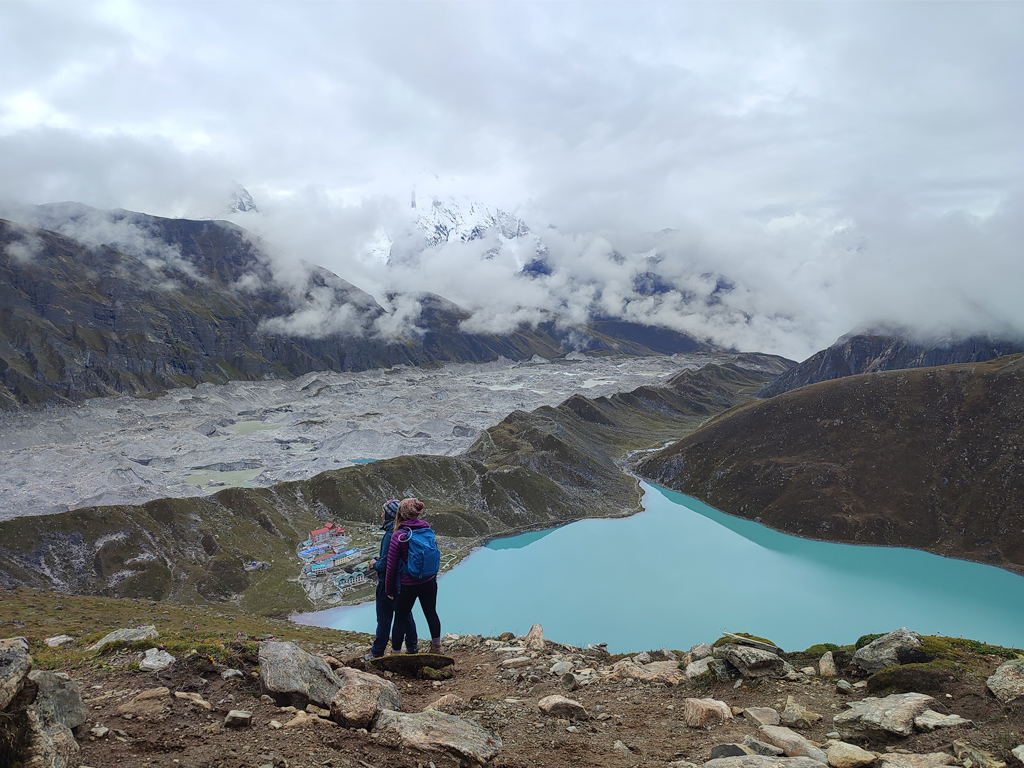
411, 573
385, 605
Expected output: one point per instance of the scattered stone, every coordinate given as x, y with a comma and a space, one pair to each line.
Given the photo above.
698, 668
58, 641
860, 685
569, 682
559, 668
795, 714
332, 662
700, 651
1018, 752
929, 720
621, 748
682, 764
127, 636
195, 699
99, 731
723, 670
238, 718
560, 706
761, 748
730, 750
762, 715
303, 719
872, 716
927, 760
147, 704
1007, 682
660, 672
231, 674
827, 665
700, 713
59, 700
844, 686
792, 743
899, 647
516, 662
275, 724
643, 658
433, 731
762, 761
809, 671
15, 664
972, 757
754, 662
313, 709
668, 655
843, 755
534, 640
449, 703
361, 697
291, 676
156, 660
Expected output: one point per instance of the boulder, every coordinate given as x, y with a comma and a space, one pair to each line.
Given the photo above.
658, 672
50, 744
560, 668
762, 761
973, 757
930, 720
15, 664
762, 748
926, 760
643, 658
449, 703
59, 700
843, 755
827, 665
1007, 682
792, 743
699, 713
560, 706
361, 697
534, 640
156, 660
874, 717
238, 718
797, 715
697, 668
700, 651
58, 641
433, 731
754, 662
147, 704
293, 677
762, 715
843, 686
899, 647
126, 636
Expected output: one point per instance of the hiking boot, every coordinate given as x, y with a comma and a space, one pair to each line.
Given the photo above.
370, 657
435, 647
414, 649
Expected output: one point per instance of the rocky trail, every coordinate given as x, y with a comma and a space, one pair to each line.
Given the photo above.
518, 702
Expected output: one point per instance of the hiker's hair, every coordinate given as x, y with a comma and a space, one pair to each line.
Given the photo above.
407, 510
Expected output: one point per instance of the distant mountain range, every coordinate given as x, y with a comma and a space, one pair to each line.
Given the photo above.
869, 353
111, 302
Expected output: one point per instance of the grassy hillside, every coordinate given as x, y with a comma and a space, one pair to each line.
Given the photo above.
930, 458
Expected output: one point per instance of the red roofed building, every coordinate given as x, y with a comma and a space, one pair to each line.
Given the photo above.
322, 534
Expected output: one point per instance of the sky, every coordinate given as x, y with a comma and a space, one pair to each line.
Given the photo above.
833, 165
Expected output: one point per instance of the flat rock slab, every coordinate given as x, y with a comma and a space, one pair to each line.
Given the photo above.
792, 743
754, 662
929, 721
361, 697
293, 677
58, 641
1007, 682
843, 755
560, 706
147, 704
899, 647
762, 715
126, 636
892, 715
761, 747
762, 761
433, 731
410, 664
971, 756
797, 715
926, 760
741, 640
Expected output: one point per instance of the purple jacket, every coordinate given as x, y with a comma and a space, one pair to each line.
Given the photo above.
398, 553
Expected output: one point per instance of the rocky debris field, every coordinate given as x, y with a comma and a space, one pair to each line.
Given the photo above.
189, 442
520, 702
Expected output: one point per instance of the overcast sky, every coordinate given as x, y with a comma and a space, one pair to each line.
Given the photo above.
838, 163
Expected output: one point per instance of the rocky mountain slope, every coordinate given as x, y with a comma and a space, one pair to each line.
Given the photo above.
203, 688
869, 353
532, 470
114, 302
929, 458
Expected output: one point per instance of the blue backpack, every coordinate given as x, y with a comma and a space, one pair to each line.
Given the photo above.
424, 560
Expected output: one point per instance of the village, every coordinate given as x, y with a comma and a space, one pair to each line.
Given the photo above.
328, 554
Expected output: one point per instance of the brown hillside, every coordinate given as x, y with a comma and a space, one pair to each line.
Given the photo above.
931, 458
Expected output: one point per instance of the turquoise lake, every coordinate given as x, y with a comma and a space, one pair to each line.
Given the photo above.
680, 572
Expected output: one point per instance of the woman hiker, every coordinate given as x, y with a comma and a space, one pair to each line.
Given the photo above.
404, 588
385, 605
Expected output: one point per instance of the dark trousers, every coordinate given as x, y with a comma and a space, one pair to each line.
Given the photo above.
385, 615
427, 595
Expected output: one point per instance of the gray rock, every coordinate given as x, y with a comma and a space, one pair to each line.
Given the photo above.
559, 706
50, 744
843, 755
700, 713
754, 662
15, 664
621, 748
59, 700
797, 715
361, 697
926, 760
1018, 752
762, 715
238, 718
231, 674
433, 731
929, 720
792, 743
827, 665
1007, 682
668, 655
127, 636
643, 658
700, 651
748, 641
698, 668
293, 677
730, 750
762, 761
99, 731
559, 668
973, 757
723, 670
844, 686
898, 647
58, 641
762, 748
892, 715
569, 682
534, 640
156, 660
